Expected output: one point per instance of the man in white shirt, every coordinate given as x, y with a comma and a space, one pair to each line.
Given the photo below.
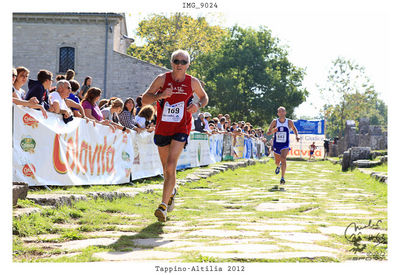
60, 103
207, 117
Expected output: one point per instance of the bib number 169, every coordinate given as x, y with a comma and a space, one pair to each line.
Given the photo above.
173, 110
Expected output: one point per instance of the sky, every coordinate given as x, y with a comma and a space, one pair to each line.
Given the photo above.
314, 36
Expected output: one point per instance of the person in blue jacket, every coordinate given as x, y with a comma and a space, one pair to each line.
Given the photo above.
40, 88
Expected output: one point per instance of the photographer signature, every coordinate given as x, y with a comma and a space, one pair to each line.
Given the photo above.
357, 236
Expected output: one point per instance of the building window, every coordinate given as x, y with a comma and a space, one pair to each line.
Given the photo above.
67, 59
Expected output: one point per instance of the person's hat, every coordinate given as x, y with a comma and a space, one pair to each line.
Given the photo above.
207, 114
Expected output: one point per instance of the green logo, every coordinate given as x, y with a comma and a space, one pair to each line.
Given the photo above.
199, 153
28, 144
198, 136
125, 156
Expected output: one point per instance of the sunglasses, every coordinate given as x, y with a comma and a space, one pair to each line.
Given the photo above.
182, 62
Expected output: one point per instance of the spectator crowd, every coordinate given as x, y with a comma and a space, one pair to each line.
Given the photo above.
70, 99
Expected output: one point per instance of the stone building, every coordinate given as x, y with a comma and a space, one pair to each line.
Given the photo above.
368, 135
92, 44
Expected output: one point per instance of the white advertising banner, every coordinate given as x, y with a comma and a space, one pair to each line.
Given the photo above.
216, 143
301, 149
197, 152
50, 152
146, 161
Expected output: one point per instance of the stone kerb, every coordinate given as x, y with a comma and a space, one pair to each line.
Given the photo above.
354, 154
20, 191
57, 200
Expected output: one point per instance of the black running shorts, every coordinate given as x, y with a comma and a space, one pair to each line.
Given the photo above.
161, 141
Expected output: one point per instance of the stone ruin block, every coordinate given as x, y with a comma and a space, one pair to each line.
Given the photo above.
357, 153
352, 138
375, 142
333, 150
346, 161
354, 154
364, 140
341, 146
20, 191
363, 126
375, 130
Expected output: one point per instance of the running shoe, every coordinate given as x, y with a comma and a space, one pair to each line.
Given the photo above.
282, 181
171, 202
161, 213
278, 169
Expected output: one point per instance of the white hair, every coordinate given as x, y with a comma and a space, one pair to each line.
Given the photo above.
62, 82
177, 52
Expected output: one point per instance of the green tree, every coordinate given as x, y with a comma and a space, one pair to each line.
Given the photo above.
350, 95
163, 35
249, 76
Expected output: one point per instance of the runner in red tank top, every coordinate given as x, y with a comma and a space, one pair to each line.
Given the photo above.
173, 92
172, 112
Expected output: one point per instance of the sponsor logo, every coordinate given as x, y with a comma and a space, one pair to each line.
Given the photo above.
125, 156
125, 139
199, 153
28, 144
30, 121
82, 157
29, 170
127, 172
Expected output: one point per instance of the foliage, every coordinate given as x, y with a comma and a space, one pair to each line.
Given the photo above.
163, 35
350, 95
250, 76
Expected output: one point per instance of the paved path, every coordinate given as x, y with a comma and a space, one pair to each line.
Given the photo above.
238, 216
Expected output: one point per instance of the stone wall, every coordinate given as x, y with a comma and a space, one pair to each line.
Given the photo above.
367, 136
37, 39
129, 76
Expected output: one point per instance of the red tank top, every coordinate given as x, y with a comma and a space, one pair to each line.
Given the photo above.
172, 114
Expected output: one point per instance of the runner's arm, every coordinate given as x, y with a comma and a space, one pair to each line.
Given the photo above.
272, 128
151, 95
203, 97
72, 104
291, 126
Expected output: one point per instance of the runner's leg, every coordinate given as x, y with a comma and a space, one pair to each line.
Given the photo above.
277, 158
163, 152
284, 153
175, 149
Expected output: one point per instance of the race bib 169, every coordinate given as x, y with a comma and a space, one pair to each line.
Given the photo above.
174, 112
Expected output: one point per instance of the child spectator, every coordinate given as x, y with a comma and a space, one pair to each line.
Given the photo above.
70, 74
127, 116
85, 87
74, 88
102, 103
146, 114
39, 88
20, 80
138, 104
111, 113
32, 103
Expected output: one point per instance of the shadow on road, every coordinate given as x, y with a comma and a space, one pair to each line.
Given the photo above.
147, 237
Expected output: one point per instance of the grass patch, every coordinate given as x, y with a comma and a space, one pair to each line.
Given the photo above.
321, 185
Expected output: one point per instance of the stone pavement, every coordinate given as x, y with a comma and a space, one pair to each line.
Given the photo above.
308, 220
